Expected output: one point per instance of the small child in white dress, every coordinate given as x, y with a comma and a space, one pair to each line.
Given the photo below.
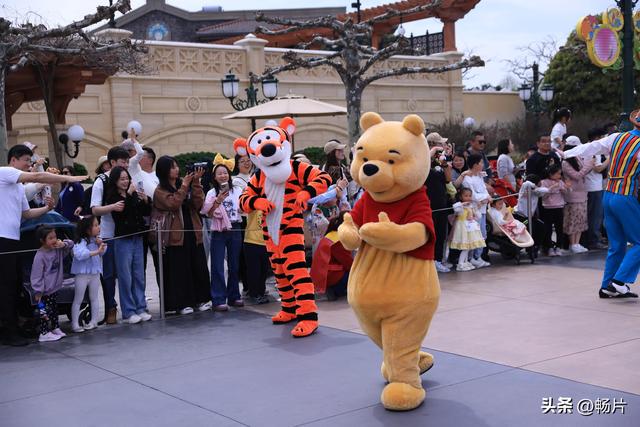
466, 233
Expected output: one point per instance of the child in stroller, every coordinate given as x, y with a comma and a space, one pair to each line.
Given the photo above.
506, 234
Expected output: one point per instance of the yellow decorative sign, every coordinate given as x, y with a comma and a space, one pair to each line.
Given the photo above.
601, 36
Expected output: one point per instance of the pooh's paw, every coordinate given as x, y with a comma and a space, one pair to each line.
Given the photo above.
402, 397
379, 234
348, 233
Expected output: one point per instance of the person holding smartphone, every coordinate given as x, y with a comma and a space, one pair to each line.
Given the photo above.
222, 205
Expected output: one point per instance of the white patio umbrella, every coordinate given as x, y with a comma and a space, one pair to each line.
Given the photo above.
289, 105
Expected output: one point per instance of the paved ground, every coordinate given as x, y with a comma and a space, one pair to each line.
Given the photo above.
504, 338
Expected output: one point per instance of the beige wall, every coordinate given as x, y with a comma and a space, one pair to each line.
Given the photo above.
181, 105
490, 107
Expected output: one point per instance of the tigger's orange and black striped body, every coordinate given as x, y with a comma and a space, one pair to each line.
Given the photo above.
283, 233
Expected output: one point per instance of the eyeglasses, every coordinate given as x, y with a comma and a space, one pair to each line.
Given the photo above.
482, 141
65, 173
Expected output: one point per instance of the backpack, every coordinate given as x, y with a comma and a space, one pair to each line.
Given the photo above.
86, 199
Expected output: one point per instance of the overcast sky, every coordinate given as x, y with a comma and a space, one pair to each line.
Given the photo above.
495, 29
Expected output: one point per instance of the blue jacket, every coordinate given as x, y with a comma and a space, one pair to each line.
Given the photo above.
83, 262
71, 197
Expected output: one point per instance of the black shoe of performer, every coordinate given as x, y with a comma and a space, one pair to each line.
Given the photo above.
611, 292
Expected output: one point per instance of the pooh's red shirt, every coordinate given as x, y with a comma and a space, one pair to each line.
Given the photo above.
413, 208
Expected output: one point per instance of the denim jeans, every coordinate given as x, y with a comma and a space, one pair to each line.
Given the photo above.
229, 242
483, 229
595, 214
131, 282
109, 276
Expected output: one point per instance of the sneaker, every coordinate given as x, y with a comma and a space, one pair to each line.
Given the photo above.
77, 329
132, 320
49, 336
578, 249
237, 303
144, 316
477, 263
186, 310
465, 267
609, 292
485, 264
447, 265
598, 245
205, 306
89, 326
560, 252
441, 268
58, 331
221, 307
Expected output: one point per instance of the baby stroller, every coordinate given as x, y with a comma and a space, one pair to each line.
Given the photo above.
501, 241
28, 241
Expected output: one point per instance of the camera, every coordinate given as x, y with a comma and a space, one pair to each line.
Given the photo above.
191, 167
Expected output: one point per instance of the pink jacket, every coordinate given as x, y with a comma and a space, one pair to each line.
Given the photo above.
219, 218
578, 193
555, 197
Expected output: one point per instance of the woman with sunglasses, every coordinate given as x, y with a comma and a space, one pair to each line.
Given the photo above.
71, 197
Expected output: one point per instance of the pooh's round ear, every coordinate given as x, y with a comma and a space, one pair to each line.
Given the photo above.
370, 119
414, 124
289, 125
240, 146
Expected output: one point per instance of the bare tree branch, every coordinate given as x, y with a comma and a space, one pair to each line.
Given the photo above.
295, 25
295, 61
398, 47
76, 51
474, 61
324, 41
392, 13
102, 13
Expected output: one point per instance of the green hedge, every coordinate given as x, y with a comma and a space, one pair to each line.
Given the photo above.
185, 158
315, 154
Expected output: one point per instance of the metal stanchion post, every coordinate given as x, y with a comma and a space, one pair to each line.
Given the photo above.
529, 211
160, 267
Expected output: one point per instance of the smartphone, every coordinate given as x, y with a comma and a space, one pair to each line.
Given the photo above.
46, 191
224, 187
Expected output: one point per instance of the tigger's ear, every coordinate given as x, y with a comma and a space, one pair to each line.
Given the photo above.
289, 125
240, 146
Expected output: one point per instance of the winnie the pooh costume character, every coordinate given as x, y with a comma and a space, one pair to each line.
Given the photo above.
393, 285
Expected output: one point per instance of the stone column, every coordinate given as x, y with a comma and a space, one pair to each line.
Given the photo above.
112, 35
449, 31
254, 49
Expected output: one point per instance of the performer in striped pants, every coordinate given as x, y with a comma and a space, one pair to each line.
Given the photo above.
621, 207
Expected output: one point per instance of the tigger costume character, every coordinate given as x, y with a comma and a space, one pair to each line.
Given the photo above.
281, 188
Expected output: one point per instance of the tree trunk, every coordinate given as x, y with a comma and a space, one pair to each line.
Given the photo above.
46, 78
4, 139
354, 103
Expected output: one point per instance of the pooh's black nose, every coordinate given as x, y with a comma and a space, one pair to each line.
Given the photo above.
268, 150
370, 169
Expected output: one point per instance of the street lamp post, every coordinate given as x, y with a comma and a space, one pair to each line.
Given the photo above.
231, 87
627, 59
536, 95
76, 134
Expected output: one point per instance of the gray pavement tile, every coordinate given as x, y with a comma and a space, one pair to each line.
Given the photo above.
506, 399
330, 372
118, 402
156, 344
38, 369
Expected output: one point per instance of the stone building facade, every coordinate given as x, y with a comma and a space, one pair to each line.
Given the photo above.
181, 105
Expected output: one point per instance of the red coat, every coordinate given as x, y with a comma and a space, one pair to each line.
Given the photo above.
330, 262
